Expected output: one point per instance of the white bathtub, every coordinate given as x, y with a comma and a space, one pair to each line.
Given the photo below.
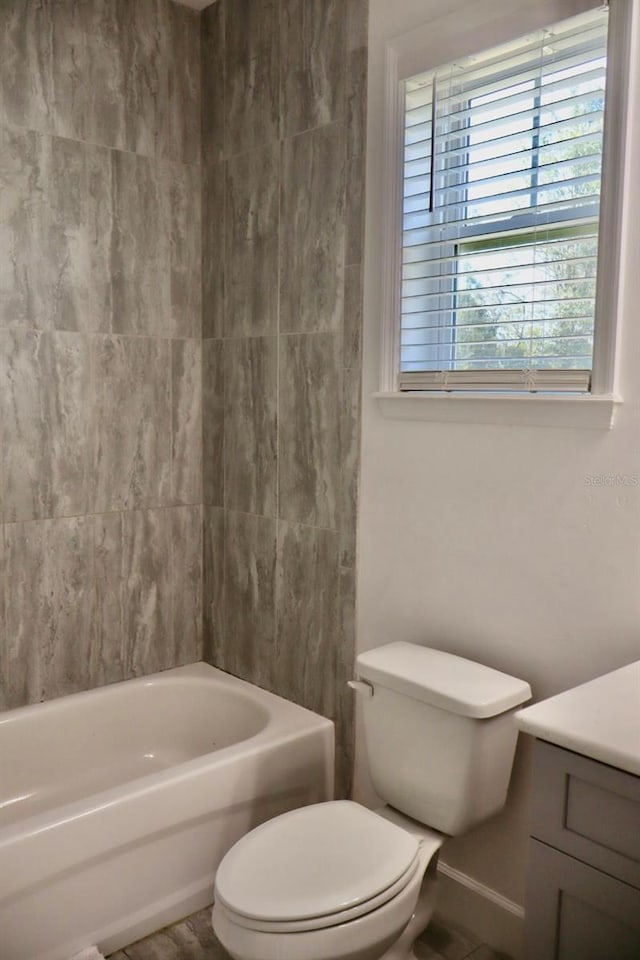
117, 805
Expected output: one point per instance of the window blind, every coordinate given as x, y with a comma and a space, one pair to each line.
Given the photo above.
501, 189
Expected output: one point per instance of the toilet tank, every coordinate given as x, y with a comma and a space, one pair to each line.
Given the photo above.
440, 733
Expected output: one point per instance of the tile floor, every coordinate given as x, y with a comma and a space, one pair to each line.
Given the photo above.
193, 939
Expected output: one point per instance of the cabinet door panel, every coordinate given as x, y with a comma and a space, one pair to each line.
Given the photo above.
589, 933
589, 810
574, 911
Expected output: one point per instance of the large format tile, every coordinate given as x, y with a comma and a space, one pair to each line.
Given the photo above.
24, 274
109, 649
186, 421
213, 244
309, 429
103, 71
69, 418
182, 185
55, 218
186, 584
139, 568
352, 326
104, 78
212, 81
61, 69
26, 75
250, 429
213, 550
357, 24
313, 36
161, 584
97, 241
356, 159
307, 616
349, 464
159, 54
312, 231
148, 573
132, 441
249, 597
356, 124
180, 130
252, 53
213, 421
344, 707
446, 941
79, 225
46, 424
140, 246
49, 610
251, 256
191, 939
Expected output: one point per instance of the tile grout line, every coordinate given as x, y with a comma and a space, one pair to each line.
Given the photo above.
222, 327
104, 513
97, 145
276, 571
203, 413
171, 494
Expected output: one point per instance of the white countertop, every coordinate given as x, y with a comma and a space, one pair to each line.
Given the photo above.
600, 719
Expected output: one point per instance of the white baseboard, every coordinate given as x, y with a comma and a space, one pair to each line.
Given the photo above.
487, 914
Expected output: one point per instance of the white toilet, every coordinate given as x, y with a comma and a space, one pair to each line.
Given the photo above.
337, 881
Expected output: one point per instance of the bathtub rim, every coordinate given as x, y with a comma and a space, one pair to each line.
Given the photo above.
200, 669
275, 732
304, 771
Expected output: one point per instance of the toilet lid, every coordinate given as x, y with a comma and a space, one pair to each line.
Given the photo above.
314, 862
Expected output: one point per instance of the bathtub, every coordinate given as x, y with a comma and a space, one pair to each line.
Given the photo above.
116, 805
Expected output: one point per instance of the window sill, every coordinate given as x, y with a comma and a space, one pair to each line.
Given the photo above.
582, 412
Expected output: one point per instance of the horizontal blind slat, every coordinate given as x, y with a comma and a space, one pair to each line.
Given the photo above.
482, 130
555, 212
531, 380
548, 129
509, 58
423, 333
507, 98
534, 286
416, 270
464, 166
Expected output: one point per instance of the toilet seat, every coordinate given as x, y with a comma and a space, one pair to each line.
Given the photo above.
314, 868
331, 920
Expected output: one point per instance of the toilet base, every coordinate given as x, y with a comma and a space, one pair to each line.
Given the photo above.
402, 949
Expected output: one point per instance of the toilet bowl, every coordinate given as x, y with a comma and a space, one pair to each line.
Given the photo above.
337, 881
332, 881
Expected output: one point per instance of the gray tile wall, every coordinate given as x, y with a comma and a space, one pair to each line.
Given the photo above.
100, 343
283, 111
181, 218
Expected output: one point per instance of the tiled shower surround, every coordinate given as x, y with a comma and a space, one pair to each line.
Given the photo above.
100, 314
180, 310
283, 86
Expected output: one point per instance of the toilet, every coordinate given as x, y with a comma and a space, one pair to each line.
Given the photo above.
338, 881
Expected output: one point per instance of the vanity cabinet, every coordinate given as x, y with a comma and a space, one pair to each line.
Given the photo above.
583, 892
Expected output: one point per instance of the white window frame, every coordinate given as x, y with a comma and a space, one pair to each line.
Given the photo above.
486, 24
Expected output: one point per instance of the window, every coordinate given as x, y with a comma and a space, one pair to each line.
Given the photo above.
507, 272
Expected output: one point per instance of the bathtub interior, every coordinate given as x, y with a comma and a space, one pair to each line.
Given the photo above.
120, 863
70, 749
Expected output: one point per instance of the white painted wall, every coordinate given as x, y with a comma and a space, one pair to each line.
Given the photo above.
488, 540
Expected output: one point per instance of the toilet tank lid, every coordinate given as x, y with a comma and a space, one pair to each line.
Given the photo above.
442, 679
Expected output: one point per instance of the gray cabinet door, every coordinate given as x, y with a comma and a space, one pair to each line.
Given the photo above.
575, 912
587, 809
